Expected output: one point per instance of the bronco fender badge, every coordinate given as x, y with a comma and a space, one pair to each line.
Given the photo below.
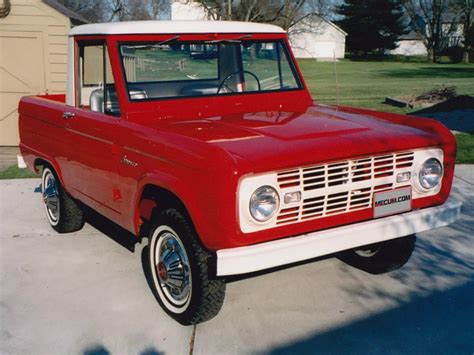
127, 161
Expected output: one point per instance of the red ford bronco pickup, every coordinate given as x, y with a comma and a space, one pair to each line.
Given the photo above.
203, 137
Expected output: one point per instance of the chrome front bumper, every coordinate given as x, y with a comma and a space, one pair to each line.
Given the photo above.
263, 256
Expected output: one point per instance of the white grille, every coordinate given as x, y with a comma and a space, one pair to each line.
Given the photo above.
339, 187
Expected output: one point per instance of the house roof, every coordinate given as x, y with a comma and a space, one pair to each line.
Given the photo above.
411, 36
174, 27
65, 11
308, 17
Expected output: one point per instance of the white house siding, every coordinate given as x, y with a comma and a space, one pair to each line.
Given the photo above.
33, 53
412, 47
317, 38
183, 10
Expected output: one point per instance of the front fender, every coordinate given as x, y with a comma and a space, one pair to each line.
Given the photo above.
183, 191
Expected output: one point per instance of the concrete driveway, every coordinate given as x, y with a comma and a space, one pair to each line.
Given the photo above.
85, 293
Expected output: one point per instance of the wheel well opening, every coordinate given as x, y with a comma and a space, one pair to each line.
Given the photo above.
155, 198
40, 164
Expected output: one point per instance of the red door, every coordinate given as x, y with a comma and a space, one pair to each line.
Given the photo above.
92, 160
90, 127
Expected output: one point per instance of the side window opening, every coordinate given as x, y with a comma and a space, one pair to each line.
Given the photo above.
269, 62
95, 82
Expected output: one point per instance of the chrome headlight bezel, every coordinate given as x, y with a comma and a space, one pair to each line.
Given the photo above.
433, 167
265, 196
248, 185
421, 156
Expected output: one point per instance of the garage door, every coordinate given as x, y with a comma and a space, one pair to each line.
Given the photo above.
21, 73
325, 49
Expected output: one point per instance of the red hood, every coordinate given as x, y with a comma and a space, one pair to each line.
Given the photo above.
276, 140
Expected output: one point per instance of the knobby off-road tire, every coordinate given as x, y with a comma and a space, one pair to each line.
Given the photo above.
63, 213
177, 270
382, 257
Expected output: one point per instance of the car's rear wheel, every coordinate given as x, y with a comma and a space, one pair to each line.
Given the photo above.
178, 270
381, 257
64, 214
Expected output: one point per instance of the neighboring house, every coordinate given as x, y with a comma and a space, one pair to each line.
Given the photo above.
455, 34
33, 52
315, 37
312, 37
410, 44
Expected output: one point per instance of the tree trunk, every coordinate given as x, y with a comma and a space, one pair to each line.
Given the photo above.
253, 51
465, 55
431, 55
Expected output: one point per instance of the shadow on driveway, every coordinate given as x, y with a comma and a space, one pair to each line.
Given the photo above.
433, 312
118, 234
442, 323
101, 350
457, 113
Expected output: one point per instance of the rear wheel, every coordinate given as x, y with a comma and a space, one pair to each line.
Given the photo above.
381, 257
180, 277
63, 213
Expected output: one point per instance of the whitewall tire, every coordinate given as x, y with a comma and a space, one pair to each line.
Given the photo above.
178, 272
64, 214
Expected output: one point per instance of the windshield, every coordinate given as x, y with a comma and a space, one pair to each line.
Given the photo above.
188, 69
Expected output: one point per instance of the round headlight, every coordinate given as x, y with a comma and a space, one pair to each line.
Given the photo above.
264, 203
430, 173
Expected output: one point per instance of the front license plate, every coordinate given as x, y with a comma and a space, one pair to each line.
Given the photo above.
392, 202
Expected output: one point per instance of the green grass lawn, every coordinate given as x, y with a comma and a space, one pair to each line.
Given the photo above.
465, 148
366, 84
13, 172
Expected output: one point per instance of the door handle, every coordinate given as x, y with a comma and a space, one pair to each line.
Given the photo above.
68, 115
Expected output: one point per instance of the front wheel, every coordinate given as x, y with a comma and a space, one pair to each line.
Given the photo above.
382, 257
180, 278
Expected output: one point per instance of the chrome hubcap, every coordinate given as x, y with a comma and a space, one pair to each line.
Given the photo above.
51, 196
173, 269
367, 253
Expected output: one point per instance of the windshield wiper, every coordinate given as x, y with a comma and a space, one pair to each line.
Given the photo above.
154, 45
233, 40
168, 40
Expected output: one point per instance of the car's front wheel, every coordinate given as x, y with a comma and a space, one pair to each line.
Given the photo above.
180, 277
63, 212
381, 257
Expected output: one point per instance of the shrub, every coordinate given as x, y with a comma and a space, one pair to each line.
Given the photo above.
454, 53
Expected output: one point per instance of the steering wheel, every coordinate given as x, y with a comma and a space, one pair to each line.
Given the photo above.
222, 83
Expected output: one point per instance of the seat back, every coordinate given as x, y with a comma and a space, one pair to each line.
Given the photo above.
96, 100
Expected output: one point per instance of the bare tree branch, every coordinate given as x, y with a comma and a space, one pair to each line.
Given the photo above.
434, 21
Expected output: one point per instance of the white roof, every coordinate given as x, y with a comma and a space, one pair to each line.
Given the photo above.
173, 27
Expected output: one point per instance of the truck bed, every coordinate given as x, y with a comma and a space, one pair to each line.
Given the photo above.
41, 124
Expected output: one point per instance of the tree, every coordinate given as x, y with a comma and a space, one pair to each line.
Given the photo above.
135, 10
372, 25
284, 13
466, 8
91, 10
123, 10
323, 8
469, 43
434, 21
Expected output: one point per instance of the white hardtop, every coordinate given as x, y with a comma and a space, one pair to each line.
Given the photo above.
173, 27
